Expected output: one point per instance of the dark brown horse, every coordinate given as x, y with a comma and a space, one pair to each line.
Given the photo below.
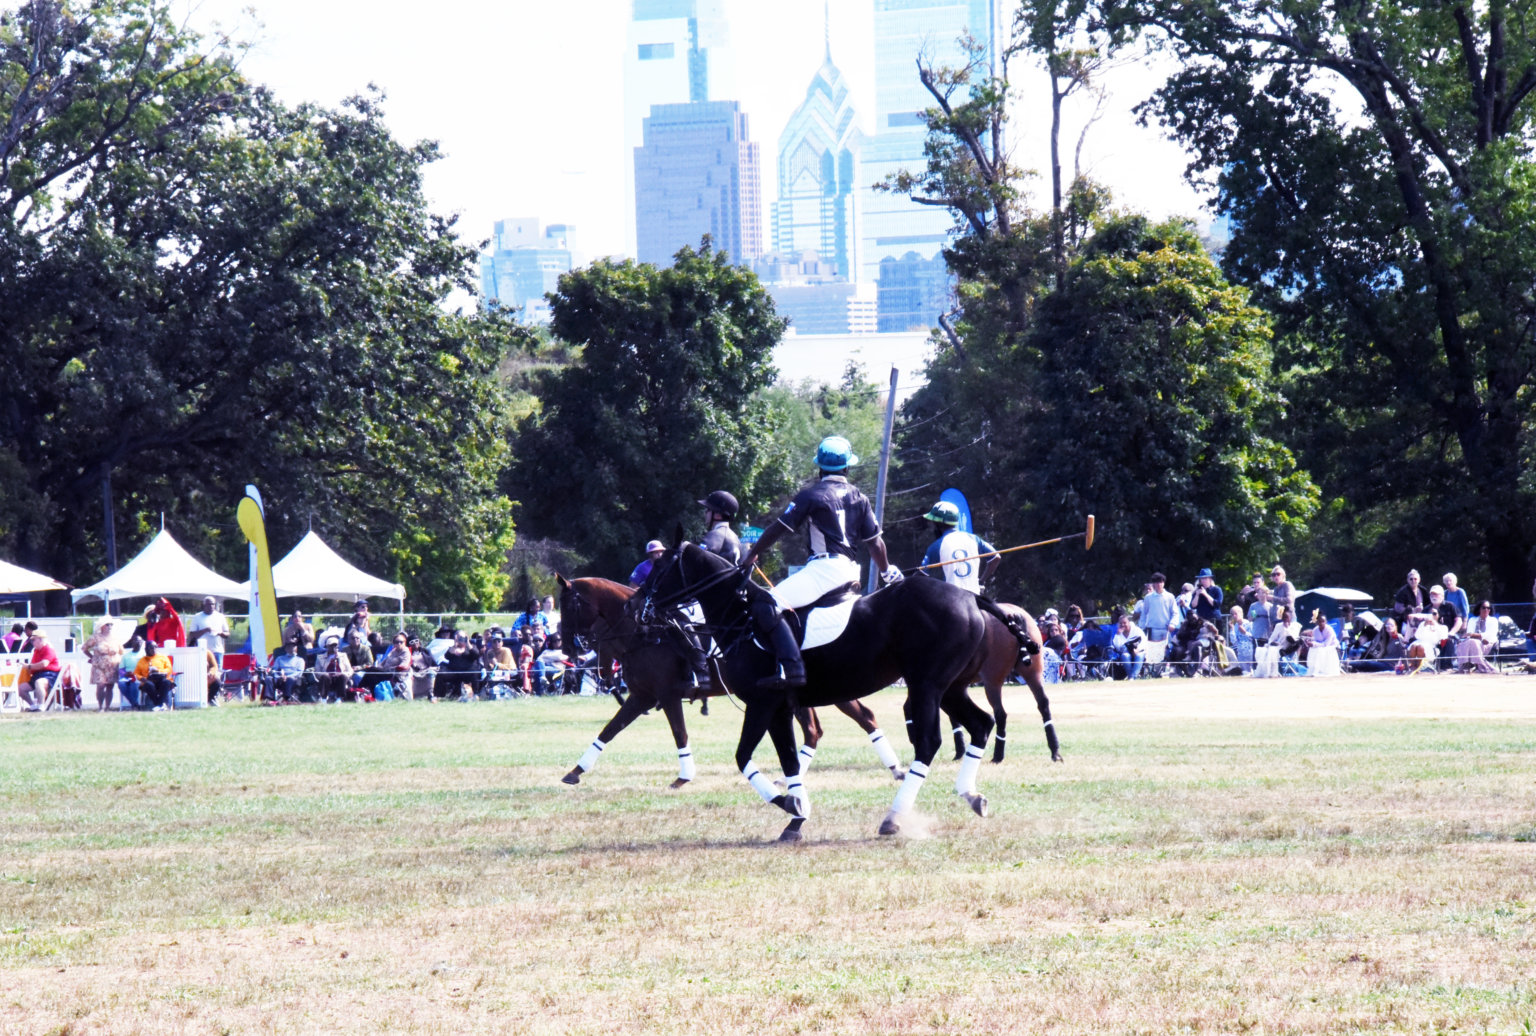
596, 610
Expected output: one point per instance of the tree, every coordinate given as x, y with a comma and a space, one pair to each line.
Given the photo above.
200, 287
1374, 160
663, 405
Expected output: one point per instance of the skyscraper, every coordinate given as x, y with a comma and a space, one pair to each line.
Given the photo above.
696, 174
891, 225
818, 157
524, 265
678, 51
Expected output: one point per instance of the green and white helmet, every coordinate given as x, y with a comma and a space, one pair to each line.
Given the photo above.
944, 513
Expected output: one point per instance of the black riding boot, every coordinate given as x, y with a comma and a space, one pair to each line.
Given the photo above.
772, 627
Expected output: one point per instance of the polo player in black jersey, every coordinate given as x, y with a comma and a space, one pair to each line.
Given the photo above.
837, 516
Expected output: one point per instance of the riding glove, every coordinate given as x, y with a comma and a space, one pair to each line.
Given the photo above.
891, 575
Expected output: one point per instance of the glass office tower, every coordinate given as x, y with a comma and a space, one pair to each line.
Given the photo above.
696, 174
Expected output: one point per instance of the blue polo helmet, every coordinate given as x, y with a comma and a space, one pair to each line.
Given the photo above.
835, 453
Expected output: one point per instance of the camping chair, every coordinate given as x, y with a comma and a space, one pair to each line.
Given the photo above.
239, 677
10, 680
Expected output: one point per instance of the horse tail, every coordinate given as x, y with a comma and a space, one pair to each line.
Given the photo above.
1028, 646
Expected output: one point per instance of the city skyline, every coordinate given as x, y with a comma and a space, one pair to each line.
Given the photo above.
531, 121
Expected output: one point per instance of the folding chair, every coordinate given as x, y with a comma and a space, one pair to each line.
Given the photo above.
10, 679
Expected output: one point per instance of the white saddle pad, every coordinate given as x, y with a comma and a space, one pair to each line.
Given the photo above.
824, 625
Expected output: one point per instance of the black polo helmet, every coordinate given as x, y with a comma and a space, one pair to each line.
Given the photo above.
721, 502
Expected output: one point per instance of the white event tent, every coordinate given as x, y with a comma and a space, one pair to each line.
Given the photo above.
313, 569
17, 580
163, 568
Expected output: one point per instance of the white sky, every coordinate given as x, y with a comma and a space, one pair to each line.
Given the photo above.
526, 97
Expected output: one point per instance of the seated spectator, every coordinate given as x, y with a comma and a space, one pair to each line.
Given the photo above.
288, 667
1385, 652
12, 641
359, 620
1354, 634
392, 672
1286, 634
550, 666
1240, 639
1424, 648
1481, 641
42, 670
1276, 654
215, 675
127, 683
1322, 648
438, 646
499, 665
1125, 650
334, 672
156, 682
459, 673
360, 654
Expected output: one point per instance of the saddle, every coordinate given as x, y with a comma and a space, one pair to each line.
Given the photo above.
824, 619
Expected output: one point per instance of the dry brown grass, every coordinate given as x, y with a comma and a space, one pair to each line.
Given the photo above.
1198, 864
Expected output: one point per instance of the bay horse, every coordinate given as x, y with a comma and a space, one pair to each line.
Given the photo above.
1005, 658
924, 631
598, 610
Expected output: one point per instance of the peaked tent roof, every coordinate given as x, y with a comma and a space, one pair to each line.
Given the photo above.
313, 569
17, 580
163, 568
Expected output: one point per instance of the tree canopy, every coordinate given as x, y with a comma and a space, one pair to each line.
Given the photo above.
201, 287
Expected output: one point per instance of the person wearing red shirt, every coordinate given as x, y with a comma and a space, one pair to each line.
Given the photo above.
167, 625
44, 669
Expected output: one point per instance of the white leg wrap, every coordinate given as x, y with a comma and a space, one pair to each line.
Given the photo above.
795, 789
883, 749
957, 731
589, 757
760, 784
965, 782
807, 753
907, 793
685, 767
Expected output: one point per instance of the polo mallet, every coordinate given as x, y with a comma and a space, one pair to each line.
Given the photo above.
1086, 535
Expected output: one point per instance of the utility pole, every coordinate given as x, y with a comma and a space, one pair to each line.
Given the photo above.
885, 467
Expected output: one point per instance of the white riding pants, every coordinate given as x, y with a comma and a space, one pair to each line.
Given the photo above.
820, 576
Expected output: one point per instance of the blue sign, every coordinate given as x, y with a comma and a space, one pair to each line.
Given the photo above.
957, 498
751, 534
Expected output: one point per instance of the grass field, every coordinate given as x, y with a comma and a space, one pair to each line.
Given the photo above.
1214, 856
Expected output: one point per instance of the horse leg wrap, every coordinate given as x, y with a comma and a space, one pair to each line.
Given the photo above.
794, 790
965, 782
807, 753
685, 768
883, 749
760, 784
589, 757
907, 793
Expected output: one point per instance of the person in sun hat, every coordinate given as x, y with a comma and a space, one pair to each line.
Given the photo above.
837, 516
1207, 598
959, 551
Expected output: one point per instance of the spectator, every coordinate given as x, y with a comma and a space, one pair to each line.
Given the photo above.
1386, 652
499, 665
359, 651
653, 552
210, 630
530, 626
142, 629
1286, 634
214, 673
1354, 635
1240, 638
1283, 593
359, 620
127, 684
1250, 593
460, 671
1409, 600
1261, 616
1456, 597
1186, 600
299, 633
1126, 648
167, 628
288, 667
1322, 648
334, 671
393, 672
549, 667
1482, 640
551, 616
106, 657
1207, 598
43, 669
1446, 617
1156, 614
12, 641
1428, 636
153, 672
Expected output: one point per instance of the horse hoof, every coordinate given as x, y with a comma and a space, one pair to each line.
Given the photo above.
1056, 757
978, 803
574, 777
889, 826
788, 805
678, 783
791, 832
898, 773
997, 758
